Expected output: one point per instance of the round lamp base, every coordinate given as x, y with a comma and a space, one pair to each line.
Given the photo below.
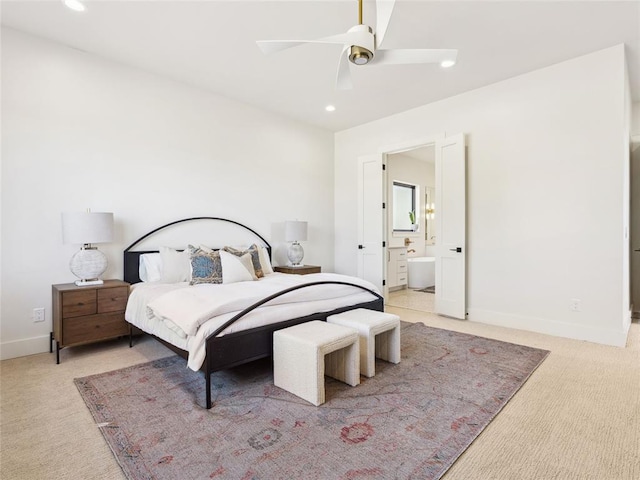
88, 264
295, 254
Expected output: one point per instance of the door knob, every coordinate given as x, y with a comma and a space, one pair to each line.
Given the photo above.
360, 247
457, 249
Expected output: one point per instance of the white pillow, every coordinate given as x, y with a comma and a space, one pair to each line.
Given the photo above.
235, 269
150, 268
176, 266
264, 260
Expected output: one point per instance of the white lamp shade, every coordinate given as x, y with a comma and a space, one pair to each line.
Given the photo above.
87, 227
294, 231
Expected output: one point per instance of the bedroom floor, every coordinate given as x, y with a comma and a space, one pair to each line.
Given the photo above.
576, 417
411, 299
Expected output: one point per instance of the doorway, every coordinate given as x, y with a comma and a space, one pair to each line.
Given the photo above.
450, 222
635, 229
411, 233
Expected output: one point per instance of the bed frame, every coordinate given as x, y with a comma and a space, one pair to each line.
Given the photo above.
244, 346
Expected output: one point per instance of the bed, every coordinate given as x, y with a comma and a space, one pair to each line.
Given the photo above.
216, 326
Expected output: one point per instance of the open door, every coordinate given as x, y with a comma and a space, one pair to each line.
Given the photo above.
450, 249
635, 230
371, 219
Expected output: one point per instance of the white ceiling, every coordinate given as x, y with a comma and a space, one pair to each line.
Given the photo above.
211, 44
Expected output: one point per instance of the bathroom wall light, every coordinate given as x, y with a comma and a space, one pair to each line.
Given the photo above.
430, 210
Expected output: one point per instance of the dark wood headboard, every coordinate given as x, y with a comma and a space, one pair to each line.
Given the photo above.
132, 257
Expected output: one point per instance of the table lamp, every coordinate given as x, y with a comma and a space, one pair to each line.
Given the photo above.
294, 231
86, 228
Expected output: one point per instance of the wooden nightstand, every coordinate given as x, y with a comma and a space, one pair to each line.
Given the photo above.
88, 314
303, 270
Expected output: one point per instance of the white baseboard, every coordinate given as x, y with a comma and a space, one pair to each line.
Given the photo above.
616, 338
24, 347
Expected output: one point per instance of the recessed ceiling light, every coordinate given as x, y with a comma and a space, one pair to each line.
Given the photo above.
76, 5
447, 63
330, 108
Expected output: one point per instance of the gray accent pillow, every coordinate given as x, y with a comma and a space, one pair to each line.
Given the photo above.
255, 257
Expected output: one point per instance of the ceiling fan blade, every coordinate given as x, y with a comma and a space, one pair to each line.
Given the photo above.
384, 9
343, 79
418, 55
272, 46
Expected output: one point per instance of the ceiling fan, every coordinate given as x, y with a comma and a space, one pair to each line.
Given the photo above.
361, 46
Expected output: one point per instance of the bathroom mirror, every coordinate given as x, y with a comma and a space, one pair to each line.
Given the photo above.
403, 202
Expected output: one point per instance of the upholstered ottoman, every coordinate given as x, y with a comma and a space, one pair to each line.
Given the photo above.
305, 353
379, 336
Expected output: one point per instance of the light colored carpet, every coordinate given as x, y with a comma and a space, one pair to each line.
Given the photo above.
578, 417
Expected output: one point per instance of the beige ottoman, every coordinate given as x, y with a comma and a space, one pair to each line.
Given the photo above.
305, 353
379, 336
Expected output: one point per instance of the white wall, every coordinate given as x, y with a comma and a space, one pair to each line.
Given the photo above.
544, 194
79, 131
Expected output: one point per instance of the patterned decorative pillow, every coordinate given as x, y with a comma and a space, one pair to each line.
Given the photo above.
206, 267
255, 257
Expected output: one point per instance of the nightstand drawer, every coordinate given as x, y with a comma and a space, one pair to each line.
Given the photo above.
78, 303
112, 299
93, 327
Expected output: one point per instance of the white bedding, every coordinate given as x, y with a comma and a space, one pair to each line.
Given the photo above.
185, 315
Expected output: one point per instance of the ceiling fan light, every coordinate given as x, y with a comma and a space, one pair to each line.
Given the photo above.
76, 5
360, 55
447, 63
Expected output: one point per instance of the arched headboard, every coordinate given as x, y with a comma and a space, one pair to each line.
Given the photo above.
132, 257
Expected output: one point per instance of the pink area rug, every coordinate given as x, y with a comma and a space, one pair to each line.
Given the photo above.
411, 421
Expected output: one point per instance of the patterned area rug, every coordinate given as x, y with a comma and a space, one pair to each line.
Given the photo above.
412, 420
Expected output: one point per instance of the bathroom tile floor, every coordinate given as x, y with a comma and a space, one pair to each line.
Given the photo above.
411, 299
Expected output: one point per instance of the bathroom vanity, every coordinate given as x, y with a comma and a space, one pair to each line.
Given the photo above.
397, 267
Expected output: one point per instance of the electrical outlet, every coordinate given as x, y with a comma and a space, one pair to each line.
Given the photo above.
574, 305
38, 314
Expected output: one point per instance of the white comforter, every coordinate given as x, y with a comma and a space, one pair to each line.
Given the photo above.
185, 315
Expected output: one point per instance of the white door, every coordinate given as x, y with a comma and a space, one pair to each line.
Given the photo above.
371, 219
635, 231
450, 216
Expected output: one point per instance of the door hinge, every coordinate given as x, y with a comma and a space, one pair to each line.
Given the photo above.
384, 282
384, 167
384, 244
384, 205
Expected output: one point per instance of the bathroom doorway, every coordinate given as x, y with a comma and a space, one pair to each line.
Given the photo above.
411, 232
